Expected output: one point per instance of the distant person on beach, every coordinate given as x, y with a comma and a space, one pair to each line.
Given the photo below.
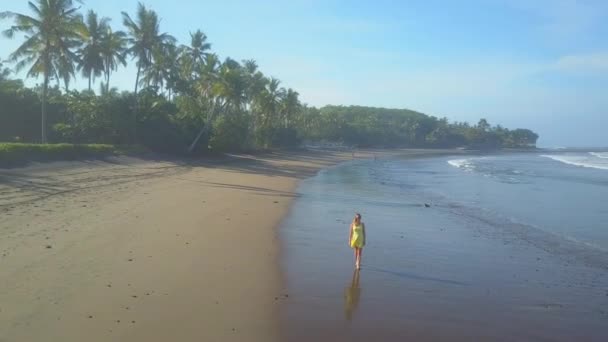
356, 238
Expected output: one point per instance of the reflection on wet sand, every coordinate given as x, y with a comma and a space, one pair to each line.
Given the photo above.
352, 294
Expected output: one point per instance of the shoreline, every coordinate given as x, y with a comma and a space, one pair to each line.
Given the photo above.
88, 250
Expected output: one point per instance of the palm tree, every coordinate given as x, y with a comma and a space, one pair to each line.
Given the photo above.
113, 52
290, 104
255, 80
160, 74
207, 75
154, 74
66, 69
144, 38
267, 105
231, 87
50, 37
197, 51
270, 99
4, 72
204, 84
91, 54
256, 84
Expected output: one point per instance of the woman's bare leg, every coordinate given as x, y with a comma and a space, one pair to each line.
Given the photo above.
358, 257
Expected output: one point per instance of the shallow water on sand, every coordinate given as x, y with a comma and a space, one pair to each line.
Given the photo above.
446, 271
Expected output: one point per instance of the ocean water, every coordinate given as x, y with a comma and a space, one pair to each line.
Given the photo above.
457, 246
562, 198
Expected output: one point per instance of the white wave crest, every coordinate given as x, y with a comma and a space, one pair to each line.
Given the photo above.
579, 160
465, 164
603, 155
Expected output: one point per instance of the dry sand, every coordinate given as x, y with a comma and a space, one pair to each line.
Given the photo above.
134, 250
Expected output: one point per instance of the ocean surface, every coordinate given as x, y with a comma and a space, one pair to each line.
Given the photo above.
457, 247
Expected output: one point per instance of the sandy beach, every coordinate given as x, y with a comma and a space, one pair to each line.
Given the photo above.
138, 250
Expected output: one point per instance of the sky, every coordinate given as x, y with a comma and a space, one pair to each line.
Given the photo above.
538, 64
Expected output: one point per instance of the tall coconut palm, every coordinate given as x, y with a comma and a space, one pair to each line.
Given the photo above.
256, 84
113, 52
197, 51
160, 74
267, 106
271, 99
204, 87
66, 68
172, 70
91, 53
144, 38
51, 34
290, 104
255, 80
4, 72
155, 74
207, 76
231, 87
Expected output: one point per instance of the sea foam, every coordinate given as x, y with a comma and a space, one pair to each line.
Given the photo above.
580, 160
465, 164
602, 155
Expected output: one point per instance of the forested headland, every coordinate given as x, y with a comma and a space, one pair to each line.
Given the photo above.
185, 98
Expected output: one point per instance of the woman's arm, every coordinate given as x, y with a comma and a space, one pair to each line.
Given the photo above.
350, 234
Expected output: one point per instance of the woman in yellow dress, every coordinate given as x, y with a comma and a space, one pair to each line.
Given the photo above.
356, 239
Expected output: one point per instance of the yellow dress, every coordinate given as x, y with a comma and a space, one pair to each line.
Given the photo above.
358, 239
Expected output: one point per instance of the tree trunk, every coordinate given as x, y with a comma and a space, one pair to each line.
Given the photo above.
108, 82
198, 136
89, 82
207, 128
137, 77
45, 89
136, 109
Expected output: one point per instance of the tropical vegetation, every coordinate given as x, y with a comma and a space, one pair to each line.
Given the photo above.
185, 97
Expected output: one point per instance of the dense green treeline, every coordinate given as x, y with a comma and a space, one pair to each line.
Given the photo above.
185, 98
368, 126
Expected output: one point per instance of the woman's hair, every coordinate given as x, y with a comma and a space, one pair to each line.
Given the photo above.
357, 216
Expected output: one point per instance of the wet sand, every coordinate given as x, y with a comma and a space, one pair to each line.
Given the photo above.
138, 250
428, 274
